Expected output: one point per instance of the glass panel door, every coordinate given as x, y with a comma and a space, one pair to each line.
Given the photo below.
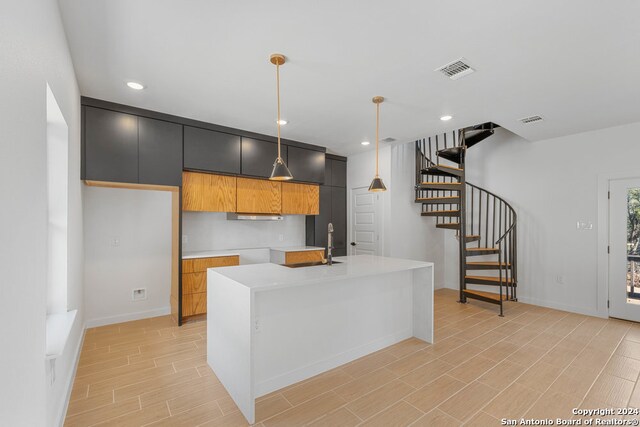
624, 249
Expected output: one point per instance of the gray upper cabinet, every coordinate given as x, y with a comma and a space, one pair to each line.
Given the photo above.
338, 173
111, 146
160, 152
306, 165
258, 157
211, 151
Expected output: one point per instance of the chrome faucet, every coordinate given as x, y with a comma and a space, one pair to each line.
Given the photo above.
329, 244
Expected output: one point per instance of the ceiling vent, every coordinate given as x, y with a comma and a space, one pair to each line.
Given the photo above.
389, 140
530, 119
456, 69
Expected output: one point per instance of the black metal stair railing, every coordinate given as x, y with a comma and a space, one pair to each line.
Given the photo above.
489, 221
494, 220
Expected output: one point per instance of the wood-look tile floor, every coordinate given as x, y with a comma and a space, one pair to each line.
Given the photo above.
535, 362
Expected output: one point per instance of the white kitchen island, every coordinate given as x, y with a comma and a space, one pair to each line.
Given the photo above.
269, 326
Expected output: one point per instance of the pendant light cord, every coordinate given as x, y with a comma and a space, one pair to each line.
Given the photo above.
377, 130
278, 89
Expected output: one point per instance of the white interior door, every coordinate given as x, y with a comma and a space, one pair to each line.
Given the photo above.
624, 249
365, 233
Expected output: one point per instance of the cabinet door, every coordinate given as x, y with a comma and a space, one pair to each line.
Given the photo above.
324, 217
111, 146
300, 199
258, 157
300, 257
338, 173
160, 152
306, 165
339, 216
259, 196
208, 150
208, 192
328, 163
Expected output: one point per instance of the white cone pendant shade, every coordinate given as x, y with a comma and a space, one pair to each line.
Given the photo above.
377, 184
280, 170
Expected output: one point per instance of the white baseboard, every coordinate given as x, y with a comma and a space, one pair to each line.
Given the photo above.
69, 386
321, 366
563, 307
557, 306
92, 323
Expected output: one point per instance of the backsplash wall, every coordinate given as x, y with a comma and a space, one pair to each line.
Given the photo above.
203, 231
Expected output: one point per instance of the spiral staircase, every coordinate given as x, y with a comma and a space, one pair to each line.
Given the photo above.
484, 223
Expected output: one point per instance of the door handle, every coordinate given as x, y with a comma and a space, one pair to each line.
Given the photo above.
353, 243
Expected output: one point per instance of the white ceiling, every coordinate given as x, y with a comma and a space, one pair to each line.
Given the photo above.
575, 62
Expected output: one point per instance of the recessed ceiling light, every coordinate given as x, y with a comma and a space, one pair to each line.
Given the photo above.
281, 122
365, 143
446, 118
135, 85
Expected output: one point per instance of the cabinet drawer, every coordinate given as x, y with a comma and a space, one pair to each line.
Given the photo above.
193, 304
192, 283
303, 256
197, 265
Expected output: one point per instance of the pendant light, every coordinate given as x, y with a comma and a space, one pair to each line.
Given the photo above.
377, 184
280, 170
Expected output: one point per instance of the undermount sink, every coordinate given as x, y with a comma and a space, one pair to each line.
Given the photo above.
309, 264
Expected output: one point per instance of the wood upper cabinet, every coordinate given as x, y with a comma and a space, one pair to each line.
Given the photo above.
259, 196
300, 199
208, 192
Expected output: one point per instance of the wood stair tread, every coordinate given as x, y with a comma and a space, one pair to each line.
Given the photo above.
440, 183
481, 249
427, 199
489, 279
488, 263
489, 295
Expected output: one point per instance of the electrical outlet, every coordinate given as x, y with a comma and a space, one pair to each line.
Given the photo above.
281, 237
256, 325
185, 239
584, 225
560, 280
115, 241
139, 294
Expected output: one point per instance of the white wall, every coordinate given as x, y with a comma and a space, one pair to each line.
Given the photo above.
406, 234
140, 221
29, 60
203, 231
552, 184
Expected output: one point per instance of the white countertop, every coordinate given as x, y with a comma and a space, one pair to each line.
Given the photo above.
298, 249
267, 276
234, 252
208, 254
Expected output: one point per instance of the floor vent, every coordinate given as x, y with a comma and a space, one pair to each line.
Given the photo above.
530, 119
456, 69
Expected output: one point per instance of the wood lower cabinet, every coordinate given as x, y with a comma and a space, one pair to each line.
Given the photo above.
259, 196
194, 282
208, 192
301, 257
300, 199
